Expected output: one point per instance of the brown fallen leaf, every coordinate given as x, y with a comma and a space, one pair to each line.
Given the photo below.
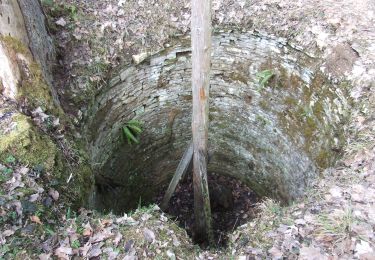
54, 194
130, 257
61, 22
175, 241
15, 183
45, 256
34, 197
85, 249
171, 254
106, 222
111, 254
117, 239
23, 170
149, 235
36, 219
87, 232
311, 253
8, 233
63, 252
367, 256
276, 253
363, 248
101, 235
128, 245
17, 206
95, 251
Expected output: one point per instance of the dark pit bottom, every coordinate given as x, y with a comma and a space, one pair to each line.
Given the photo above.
232, 205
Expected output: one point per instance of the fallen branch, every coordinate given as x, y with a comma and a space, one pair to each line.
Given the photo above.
182, 168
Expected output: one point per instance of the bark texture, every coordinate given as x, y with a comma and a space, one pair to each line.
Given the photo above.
40, 42
201, 68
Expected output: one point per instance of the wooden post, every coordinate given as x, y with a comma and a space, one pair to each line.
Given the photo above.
201, 62
182, 168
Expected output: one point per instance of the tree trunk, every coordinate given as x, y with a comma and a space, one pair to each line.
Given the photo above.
201, 59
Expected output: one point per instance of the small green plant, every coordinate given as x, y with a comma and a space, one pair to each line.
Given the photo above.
12, 215
131, 130
60, 9
10, 159
271, 208
263, 77
49, 230
48, 2
337, 226
39, 212
143, 209
72, 11
140, 203
68, 213
75, 244
7, 171
80, 230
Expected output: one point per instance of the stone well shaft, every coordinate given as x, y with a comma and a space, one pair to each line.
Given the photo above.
274, 137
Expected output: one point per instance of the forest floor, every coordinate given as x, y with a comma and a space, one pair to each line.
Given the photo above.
335, 219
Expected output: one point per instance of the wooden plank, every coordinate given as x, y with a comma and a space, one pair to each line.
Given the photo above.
181, 170
201, 66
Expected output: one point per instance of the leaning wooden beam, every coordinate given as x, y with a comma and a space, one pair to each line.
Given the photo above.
182, 168
201, 66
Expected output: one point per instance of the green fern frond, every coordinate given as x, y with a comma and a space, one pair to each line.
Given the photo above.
263, 78
131, 131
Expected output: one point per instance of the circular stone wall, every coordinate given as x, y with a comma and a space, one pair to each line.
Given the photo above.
273, 138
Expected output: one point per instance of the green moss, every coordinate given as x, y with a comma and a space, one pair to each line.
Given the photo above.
236, 76
26, 191
262, 120
170, 61
264, 103
311, 121
33, 88
31, 147
323, 159
295, 81
99, 119
36, 91
15, 44
223, 125
318, 109
259, 189
309, 131
290, 102
282, 78
1, 86
80, 187
27, 145
187, 97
